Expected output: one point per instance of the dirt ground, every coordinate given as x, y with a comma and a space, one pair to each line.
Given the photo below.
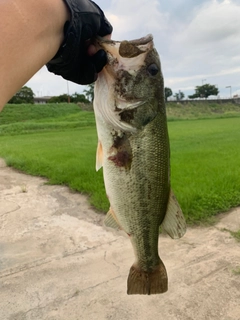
57, 262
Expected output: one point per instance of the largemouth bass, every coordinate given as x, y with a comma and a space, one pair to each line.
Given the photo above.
133, 150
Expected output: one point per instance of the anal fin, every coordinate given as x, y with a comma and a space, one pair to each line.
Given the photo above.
174, 222
110, 221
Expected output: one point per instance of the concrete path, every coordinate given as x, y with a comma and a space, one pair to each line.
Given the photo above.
57, 262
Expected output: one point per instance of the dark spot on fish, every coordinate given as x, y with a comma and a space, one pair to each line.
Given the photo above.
121, 159
127, 115
121, 150
147, 120
129, 50
121, 84
119, 142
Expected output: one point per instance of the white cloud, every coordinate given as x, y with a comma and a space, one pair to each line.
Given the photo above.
135, 18
45, 83
208, 46
196, 40
214, 23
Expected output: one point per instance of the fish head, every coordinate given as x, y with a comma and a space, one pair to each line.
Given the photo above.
131, 81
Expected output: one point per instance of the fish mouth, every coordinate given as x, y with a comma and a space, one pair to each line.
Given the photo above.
143, 41
126, 55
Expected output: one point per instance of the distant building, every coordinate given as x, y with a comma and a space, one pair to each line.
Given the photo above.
41, 100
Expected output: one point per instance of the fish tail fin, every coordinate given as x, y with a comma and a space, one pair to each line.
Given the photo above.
142, 282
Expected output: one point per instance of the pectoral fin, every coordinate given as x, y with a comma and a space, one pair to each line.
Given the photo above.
110, 221
99, 156
174, 222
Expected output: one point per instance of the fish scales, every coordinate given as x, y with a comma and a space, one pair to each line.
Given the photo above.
140, 186
134, 152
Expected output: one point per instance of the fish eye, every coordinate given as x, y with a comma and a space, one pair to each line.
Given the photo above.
153, 69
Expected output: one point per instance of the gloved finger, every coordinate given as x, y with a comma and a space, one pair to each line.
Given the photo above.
87, 33
105, 27
87, 73
99, 60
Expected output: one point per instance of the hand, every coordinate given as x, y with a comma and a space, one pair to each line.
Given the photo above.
73, 60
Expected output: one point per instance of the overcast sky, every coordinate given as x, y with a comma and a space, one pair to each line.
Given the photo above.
198, 42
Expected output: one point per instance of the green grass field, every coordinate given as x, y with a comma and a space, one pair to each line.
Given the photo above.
201, 110
205, 156
19, 119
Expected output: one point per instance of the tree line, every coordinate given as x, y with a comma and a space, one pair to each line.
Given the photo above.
26, 95
203, 91
74, 98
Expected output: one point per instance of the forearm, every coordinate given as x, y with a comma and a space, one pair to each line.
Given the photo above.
31, 34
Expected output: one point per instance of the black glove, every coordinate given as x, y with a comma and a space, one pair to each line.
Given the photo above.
72, 61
